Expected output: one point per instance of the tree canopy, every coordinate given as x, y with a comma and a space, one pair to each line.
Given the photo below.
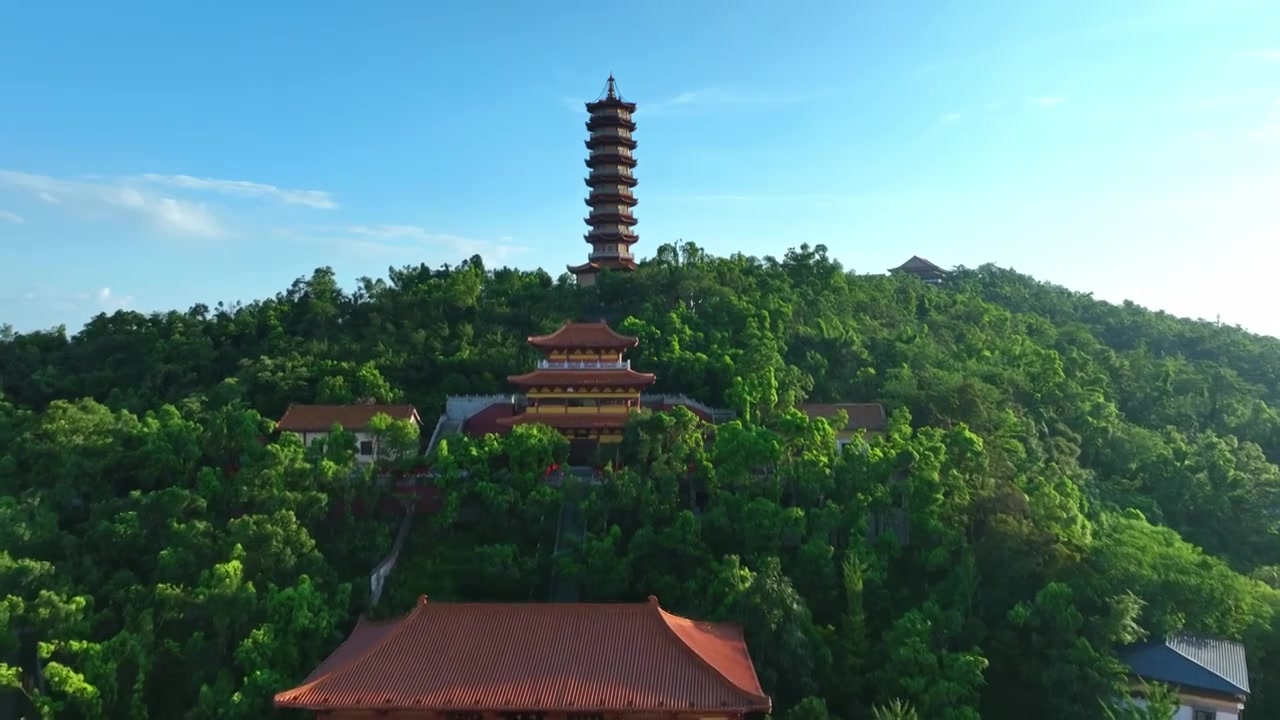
1060, 476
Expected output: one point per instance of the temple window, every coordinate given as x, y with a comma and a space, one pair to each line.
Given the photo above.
521, 716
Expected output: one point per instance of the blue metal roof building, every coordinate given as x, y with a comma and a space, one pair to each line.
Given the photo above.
1191, 662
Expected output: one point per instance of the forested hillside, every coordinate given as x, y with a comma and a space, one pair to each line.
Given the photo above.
1060, 476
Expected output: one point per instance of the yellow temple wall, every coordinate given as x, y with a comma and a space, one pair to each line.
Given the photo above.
565, 410
594, 394
585, 355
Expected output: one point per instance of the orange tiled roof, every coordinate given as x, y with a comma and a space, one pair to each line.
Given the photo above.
578, 658
862, 416
584, 336
319, 418
570, 421
583, 378
596, 266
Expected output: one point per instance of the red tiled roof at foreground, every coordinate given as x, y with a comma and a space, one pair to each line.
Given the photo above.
319, 418
577, 658
584, 336
862, 416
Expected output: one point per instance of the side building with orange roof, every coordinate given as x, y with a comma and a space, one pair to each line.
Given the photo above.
490, 661
312, 422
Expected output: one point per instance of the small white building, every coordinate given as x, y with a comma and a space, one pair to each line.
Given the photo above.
1209, 676
315, 421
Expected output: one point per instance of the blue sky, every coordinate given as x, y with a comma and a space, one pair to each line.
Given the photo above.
158, 154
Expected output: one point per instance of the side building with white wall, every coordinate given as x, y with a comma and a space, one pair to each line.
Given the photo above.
315, 421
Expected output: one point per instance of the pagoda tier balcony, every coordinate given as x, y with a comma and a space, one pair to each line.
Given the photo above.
606, 177
610, 218
610, 120
610, 198
611, 160
607, 141
583, 365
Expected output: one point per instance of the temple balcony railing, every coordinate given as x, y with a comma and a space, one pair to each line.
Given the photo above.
583, 365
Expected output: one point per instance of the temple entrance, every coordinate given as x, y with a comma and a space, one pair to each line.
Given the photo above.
582, 452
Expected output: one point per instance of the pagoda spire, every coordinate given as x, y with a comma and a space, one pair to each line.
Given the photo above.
611, 180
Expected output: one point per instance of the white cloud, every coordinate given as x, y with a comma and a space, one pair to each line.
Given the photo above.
243, 188
1047, 101
948, 118
707, 97
406, 243
12, 217
110, 301
1267, 55
164, 213
102, 299
995, 104
145, 197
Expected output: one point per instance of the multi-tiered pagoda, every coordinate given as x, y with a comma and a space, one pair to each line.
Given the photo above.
582, 387
611, 181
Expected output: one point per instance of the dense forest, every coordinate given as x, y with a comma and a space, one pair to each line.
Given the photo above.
1062, 476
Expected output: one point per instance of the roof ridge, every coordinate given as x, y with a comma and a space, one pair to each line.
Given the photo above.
1168, 642
662, 616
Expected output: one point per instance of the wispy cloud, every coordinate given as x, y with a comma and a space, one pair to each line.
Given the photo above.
1265, 55
785, 199
995, 104
1270, 129
243, 188
162, 201
1047, 101
949, 118
165, 213
719, 97
703, 99
11, 217
103, 299
404, 243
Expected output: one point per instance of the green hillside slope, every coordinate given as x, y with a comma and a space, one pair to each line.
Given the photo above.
1060, 476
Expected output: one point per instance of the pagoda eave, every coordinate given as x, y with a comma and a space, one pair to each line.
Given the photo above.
610, 219
595, 266
597, 180
593, 379
600, 122
595, 237
610, 104
594, 335
605, 141
607, 198
610, 159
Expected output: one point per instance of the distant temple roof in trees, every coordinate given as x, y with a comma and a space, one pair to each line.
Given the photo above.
917, 265
862, 416
584, 336
319, 418
549, 658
